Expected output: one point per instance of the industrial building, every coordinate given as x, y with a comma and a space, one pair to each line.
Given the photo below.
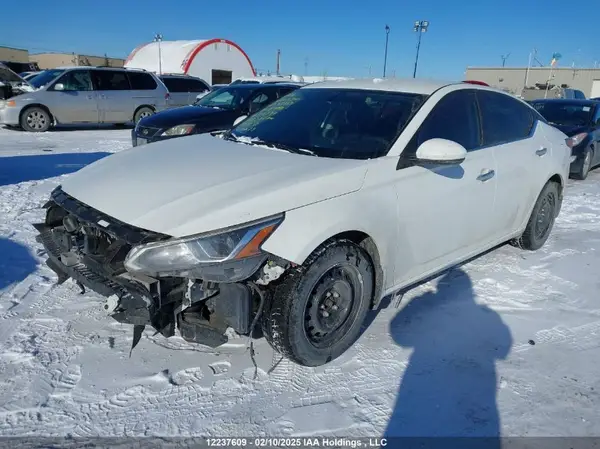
14, 54
217, 61
515, 79
53, 60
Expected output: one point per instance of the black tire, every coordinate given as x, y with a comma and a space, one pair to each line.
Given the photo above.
586, 165
144, 111
35, 120
542, 219
302, 304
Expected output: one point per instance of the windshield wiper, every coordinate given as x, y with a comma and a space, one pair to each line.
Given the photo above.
281, 146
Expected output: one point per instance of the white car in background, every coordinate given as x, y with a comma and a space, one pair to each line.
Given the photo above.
307, 213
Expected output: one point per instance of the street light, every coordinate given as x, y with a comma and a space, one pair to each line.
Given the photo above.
420, 27
387, 35
158, 38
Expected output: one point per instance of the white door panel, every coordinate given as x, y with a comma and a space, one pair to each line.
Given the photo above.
445, 212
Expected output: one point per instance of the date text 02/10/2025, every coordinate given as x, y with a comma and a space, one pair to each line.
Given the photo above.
296, 442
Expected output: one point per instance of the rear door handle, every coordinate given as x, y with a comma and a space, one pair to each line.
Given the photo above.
89, 97
486, 174
541, 151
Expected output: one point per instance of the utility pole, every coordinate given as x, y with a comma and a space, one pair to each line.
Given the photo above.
306, 66
504, 58
420, 28
387, 35
158, 38
278, 59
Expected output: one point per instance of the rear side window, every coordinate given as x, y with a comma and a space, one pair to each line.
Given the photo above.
174, 84
454, 118
110, 80
141, 81
503, 119
579, 95
194, 85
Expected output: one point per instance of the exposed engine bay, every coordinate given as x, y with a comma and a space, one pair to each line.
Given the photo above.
91, 247
12, 84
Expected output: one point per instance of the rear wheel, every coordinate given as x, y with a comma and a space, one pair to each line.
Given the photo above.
586, 165
35, 119
315, 314
542, 218
142, 112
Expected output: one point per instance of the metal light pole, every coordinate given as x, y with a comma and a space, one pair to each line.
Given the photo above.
158, 38
387, 35
420, 28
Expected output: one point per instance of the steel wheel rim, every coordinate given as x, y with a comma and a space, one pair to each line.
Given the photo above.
544, 216
36, 120
333, 302
144, 115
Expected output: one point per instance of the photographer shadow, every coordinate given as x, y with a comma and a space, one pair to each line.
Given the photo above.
448, 390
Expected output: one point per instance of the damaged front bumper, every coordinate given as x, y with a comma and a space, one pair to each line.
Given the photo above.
90, 247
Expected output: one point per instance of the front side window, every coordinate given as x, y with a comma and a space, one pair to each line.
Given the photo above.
563, 112
342, 123
76, 80
111, 80
226, 98
45, 77
504, 118
454, 118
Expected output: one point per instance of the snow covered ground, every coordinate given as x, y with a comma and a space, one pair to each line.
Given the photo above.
511, 342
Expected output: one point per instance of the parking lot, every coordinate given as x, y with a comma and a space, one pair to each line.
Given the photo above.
65, 366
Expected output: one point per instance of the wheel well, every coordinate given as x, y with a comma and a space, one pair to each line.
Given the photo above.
557, 179
365, 242
36, 105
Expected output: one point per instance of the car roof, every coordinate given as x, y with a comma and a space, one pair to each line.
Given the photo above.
261, 85
177, 75
581, 102
408, 85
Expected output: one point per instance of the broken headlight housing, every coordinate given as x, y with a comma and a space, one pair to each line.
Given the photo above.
227, 255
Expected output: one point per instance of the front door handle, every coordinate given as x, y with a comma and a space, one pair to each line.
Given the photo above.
89, 97
486, 174
541, 151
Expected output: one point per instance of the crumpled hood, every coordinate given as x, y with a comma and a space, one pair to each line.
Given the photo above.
201, 183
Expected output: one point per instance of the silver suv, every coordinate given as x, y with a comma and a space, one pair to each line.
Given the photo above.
85, 95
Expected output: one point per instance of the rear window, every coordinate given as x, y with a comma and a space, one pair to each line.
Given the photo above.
141, 81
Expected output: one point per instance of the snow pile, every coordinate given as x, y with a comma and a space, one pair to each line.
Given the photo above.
510, 343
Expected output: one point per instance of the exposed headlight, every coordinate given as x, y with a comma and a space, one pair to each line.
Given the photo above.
192, 256
575, 140
179, 130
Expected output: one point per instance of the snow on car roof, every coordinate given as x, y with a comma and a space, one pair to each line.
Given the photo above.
410, 85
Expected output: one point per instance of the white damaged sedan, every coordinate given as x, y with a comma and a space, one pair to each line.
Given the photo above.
306, 214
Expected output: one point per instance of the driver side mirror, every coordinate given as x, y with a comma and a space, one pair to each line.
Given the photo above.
59, 86
239, 119
441, 151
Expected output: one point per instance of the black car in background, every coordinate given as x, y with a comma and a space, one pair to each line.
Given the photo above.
215, 112
579, 118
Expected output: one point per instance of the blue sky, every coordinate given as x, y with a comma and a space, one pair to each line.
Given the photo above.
341, 38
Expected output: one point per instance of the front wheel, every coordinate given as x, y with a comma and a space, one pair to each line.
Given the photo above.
542, 218
141, 113
586, 165
315, 314
35, 119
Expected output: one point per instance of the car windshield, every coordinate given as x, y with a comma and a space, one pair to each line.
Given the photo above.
225, 98
343, 123
45, 77
565, 113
